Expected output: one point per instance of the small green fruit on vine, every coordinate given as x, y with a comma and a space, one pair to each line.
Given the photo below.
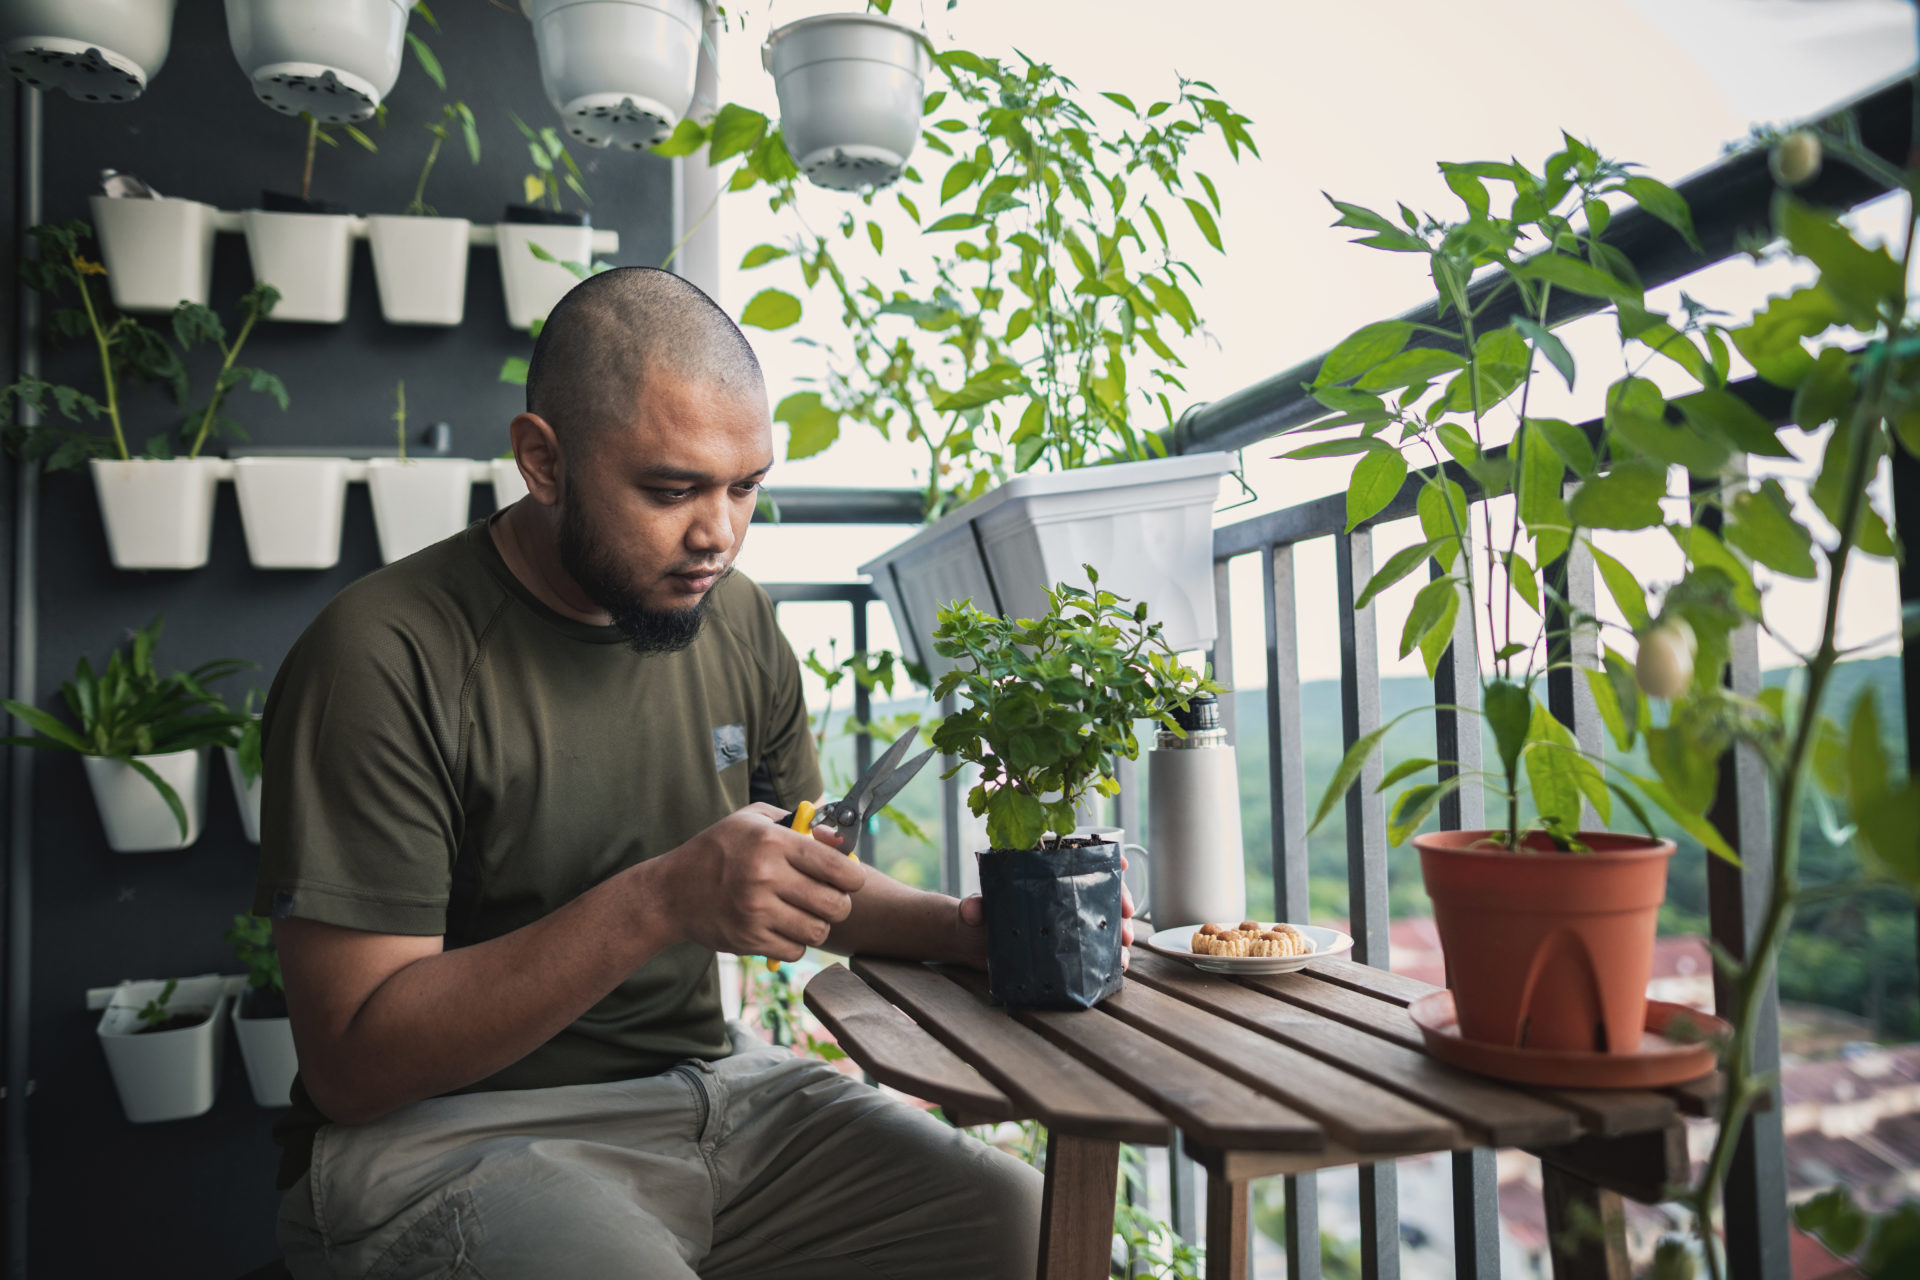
1796, 158
1665, 664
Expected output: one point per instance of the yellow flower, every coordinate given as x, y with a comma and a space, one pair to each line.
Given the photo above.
87, 268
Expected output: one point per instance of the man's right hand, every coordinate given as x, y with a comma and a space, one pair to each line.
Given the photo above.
752, 886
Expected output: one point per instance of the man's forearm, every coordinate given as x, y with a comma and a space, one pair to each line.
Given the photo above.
892, 919
451, 1018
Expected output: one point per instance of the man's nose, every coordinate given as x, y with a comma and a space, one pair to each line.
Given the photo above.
710, 531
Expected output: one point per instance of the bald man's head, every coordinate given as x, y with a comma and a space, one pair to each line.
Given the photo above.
617, 331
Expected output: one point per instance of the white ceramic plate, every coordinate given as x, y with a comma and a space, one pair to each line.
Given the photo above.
1177, 942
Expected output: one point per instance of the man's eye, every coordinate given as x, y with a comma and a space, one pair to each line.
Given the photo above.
671, 495
747, 487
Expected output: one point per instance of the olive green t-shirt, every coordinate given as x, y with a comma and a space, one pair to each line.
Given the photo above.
445, 755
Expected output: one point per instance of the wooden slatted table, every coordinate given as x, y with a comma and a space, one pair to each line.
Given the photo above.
1262, 1075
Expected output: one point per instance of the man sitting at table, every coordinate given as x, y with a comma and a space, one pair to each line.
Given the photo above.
520, 788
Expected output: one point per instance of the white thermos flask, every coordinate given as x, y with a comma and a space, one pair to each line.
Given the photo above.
1193, 823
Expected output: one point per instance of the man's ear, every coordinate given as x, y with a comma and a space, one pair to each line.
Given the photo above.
537, 451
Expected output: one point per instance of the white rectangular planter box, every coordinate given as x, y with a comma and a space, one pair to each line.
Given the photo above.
308, 257
266, 1046
165, 1075
421, 267
532, 286
418, 502
135, 815
509, 486
291, 509
158, 253
245, 794
1146, 527
158, 513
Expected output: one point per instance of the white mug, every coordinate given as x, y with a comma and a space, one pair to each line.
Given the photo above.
1135, 854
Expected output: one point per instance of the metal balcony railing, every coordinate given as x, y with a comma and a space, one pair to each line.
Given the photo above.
1729, 203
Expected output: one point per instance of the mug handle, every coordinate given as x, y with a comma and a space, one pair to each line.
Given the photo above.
1137, 856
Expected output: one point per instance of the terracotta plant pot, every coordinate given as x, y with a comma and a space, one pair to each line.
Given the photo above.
1548, 950
1053, 925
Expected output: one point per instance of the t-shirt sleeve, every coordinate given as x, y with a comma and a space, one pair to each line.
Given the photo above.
791, 762
359, 810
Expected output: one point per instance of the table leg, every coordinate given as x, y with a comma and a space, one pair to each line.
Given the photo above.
1586, 1228
1227, 1229
1076, 1213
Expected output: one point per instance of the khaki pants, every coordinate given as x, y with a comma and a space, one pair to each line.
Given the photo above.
759, 1165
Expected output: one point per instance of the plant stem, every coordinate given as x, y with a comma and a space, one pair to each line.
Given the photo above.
306, 172
106, 363
418, 206
232, 353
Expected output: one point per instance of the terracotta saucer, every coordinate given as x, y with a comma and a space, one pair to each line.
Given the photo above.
1661, 1060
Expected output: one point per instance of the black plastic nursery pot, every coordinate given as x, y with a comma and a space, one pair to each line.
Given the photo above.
1053, 924
531, 213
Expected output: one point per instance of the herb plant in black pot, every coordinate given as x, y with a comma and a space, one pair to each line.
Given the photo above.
1048, 704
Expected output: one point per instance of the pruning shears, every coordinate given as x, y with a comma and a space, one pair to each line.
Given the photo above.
879, 784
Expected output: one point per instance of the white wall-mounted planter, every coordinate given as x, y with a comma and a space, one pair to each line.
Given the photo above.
336, 59
266, 1046
619, 72
158, 512
1146, 527
245, 794
308, 257
533, 286
91, 50
158, 253
132, 810
165, 1075
291, 509
418, 502
851, 86
509, 486
421, 266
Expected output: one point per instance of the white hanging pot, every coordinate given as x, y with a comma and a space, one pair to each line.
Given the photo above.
266, 1046
418, 502
336, 59
135, 814
509, 486
158, 253
421, 267
851, 86
158, 512
90, 50
291, 509
172, 1074
619, 72
532, 285
245, 794
308, 257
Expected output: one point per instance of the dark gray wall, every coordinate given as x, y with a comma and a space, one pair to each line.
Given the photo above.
195, 1197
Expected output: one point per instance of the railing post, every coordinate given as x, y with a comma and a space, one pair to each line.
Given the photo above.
1366, 862
1457, 744
1906, 519
862, 714
1287, 801
1223, 647
950, 852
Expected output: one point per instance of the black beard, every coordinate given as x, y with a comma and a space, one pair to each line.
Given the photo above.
608, 584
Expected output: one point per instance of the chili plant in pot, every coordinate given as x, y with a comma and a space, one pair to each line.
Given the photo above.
143, 737
419, 257
1547, 926
163, 1046
1048, 704
537, 238
260, 1021
303, 246
416, 501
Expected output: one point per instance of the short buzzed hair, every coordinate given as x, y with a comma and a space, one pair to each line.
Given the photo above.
614, 331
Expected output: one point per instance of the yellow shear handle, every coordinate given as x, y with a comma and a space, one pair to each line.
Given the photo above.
802, 821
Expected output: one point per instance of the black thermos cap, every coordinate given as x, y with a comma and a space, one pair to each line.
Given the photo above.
1201, 715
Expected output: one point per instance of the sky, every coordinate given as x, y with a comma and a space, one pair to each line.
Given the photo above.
1359, 100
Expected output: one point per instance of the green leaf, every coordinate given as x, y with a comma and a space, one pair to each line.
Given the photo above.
1559, 776
1402, 563
1351, 764
1636, 413
1688, 820
1204, 220
1414, 806
1402, 771
1859, 279
1664, 203
771, 309
1521, 575
1509, 710
1364, 349
1433, 645
1547, 345
1340, 448
1443, 518
428, 63
1386, 235
1834, 1219
1569, 441
1827, 391
48, 726
760, 255
687, 137
1436, 603
1377, 478
874, 234
734, 129
1571, 273
1627, 497
1723, 414
1540, 482
167, 793
1606, 700
1624, 586
995, 382
1409, 368
1762, 525
1772, 340
961, 176
811, 425
957, 222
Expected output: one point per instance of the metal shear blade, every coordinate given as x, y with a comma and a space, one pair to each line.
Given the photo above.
879, 784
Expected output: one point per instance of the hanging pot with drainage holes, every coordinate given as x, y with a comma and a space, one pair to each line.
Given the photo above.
336, 58
619, 72
90, 50
851, 88
1053, 924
